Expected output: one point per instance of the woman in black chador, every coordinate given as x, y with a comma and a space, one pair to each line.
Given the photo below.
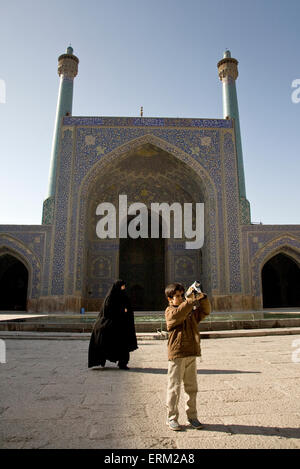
113, 335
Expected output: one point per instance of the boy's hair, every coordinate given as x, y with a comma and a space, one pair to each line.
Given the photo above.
172, 288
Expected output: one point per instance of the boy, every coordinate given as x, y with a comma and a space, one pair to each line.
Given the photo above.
183, 348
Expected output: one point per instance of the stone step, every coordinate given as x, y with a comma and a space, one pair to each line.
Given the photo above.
5, 335
151, 323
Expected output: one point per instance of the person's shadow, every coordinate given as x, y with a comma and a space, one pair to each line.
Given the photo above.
164, 371
236, 429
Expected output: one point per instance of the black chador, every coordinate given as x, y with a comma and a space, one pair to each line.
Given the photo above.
113, 335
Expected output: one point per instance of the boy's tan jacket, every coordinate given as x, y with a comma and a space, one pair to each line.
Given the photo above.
182, 325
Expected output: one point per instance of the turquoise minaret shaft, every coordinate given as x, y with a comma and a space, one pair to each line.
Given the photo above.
228, 73
67, 70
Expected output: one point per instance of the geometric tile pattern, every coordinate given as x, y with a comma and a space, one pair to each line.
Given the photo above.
261, 243
93, 152
28, 248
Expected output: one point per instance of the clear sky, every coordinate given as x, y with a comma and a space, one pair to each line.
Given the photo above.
162, 55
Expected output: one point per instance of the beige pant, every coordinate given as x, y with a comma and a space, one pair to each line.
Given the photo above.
182, 370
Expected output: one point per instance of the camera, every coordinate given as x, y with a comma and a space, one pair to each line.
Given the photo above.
196, 288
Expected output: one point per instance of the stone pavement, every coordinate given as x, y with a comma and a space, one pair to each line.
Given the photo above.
249, 396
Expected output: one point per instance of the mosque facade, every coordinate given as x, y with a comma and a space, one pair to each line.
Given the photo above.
64, 265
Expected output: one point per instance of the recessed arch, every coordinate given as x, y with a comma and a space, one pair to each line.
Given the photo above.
283, 244
13, 283
281, 282
13, 246
120, 154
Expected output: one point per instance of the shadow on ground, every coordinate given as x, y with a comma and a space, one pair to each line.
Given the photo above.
164, 371
285, 432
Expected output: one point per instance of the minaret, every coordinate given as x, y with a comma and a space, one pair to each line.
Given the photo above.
228, 73
67, 70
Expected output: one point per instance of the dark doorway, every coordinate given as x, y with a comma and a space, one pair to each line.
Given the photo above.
142, 266
13, 284
281, 283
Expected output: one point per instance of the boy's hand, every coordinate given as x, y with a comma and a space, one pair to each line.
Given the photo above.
189, 291
199, 296
193, 295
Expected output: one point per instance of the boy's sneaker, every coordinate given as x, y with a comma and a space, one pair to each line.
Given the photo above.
195, 423
174, 425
